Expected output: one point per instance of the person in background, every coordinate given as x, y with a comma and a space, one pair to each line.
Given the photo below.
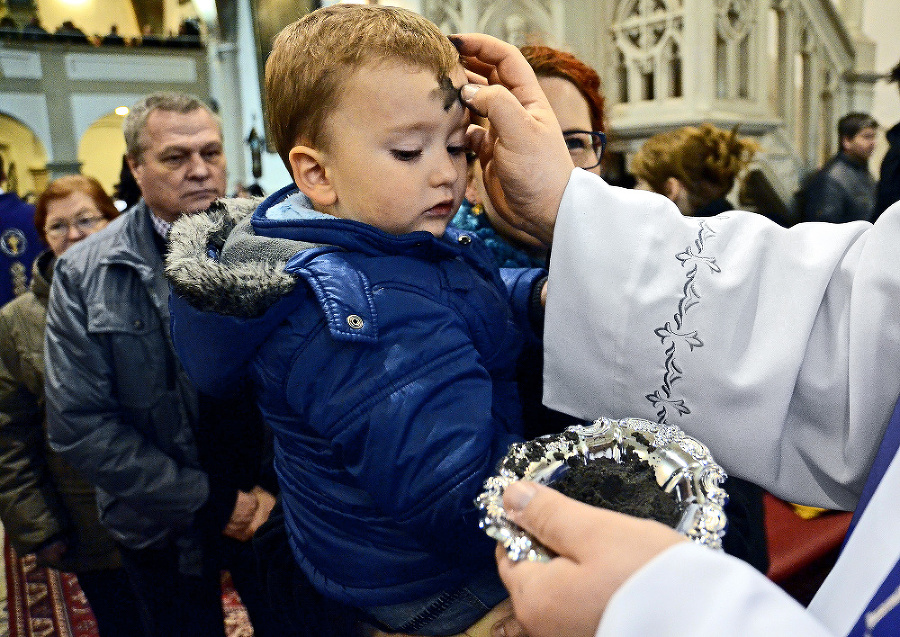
46, 506
126, 192
8, 27
20, 242
757, 194
70, 33
696, 167
113, 38
810, 413
889, 179
183, 480
35, 31
843, 189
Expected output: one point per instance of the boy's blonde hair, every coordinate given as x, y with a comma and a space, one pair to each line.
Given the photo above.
314, 57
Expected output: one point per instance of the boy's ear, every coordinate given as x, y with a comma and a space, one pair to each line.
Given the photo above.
310, 175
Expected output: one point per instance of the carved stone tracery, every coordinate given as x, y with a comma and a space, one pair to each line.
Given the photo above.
516, 21
648, 37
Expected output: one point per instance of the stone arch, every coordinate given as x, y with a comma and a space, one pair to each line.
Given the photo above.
21, 147
100, 150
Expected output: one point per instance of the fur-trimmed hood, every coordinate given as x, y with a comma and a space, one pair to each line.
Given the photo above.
219, 264
229, 289
233, 258
239, 269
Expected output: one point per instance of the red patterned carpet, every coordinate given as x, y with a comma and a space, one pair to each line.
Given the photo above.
46, 603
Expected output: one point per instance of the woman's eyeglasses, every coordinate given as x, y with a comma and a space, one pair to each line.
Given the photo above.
83, 225
585, 147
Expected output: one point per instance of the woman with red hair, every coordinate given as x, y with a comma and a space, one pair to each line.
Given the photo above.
551, 64
46, 507
573, 90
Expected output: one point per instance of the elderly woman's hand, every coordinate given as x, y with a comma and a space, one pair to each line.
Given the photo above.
524, 158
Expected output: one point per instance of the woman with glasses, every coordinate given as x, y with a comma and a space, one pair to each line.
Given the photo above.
693, 167
46, 507
573, 89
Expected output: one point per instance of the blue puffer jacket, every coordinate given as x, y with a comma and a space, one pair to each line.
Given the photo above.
384, 364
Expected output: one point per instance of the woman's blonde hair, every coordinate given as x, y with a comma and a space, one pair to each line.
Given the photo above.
314, 57
706, 160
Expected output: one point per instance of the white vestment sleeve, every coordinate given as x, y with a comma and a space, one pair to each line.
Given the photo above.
779, 348
691, 590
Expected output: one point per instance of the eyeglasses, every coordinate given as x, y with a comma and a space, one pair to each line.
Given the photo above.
585, 147
83, 225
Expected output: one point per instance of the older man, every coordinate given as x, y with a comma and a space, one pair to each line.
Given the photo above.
178, 474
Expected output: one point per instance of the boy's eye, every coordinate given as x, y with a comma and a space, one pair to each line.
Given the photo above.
456, 150
405, 155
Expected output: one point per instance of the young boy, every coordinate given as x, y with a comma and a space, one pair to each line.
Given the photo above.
383, 346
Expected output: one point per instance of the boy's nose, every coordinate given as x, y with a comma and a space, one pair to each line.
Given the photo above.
445, 171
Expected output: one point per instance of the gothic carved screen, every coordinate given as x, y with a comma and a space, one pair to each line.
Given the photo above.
648, 38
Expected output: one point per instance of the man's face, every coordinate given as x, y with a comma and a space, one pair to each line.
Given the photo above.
861, 145
182, 166
396, 154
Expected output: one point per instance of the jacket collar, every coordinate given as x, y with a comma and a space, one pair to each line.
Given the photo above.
137, 245
42, 274
350, 235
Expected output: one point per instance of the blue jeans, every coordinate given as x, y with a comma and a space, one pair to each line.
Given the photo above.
446, 613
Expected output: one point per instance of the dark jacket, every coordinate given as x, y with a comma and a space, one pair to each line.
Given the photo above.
120, 407
384, 364
889, 181
843, 190
42, 498
713, 208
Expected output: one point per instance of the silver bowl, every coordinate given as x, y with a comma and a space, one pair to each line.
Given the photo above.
683, 467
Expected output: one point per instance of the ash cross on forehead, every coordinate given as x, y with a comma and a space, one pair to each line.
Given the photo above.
451, 93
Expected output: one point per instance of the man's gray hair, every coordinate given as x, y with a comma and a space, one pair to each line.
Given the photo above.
137, 116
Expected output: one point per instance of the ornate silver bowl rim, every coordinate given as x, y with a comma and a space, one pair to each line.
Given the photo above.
683, 466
